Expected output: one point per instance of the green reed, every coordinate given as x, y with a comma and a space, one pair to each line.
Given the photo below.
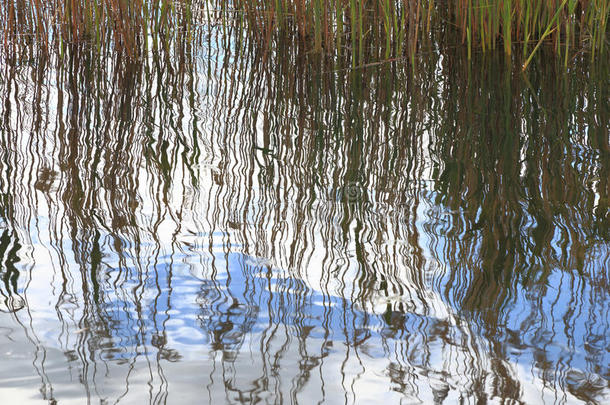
397, 28
123, 25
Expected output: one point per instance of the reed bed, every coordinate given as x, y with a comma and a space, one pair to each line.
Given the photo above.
129, 26
396, 27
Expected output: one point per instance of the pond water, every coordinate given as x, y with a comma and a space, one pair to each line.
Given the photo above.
224, 227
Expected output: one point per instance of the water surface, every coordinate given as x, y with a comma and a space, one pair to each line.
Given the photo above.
221, 227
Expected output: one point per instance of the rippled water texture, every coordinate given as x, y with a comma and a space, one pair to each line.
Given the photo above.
216, 227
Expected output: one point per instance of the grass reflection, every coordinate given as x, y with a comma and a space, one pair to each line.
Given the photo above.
194, 213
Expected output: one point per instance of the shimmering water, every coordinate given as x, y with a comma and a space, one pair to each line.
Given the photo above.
222, 228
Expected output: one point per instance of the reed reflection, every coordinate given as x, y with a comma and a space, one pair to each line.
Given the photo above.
209, 226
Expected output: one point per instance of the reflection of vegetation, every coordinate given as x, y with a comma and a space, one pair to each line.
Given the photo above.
516, 189
479, 190
9, 249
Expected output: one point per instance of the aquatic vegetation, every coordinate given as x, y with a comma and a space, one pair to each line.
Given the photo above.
400, 26
125, 25
384, 28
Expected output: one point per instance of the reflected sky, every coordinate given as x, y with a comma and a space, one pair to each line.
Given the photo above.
214, 225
